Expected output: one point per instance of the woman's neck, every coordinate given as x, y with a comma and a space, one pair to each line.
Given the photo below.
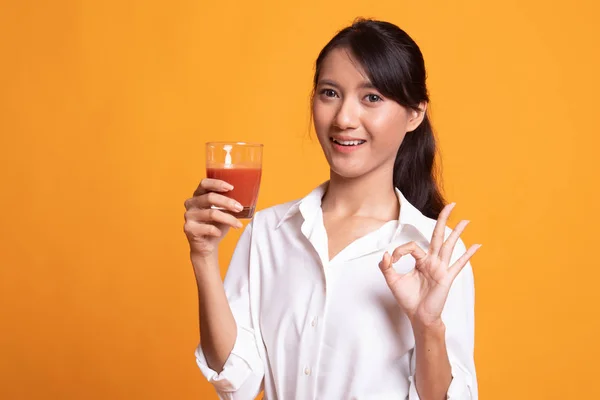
364, 196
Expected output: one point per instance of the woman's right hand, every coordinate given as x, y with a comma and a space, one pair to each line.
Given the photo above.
205, 226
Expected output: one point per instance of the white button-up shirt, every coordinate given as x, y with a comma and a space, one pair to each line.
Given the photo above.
311, 328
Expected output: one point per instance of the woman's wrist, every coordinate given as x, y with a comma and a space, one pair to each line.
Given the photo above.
205, 266
428, 328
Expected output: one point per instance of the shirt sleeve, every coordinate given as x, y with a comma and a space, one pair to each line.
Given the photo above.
243, 372
458, 317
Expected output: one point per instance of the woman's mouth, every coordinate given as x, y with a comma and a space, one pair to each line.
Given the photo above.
348, 142
347, 146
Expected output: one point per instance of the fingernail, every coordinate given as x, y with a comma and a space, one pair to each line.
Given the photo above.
238, 207
228, 186
239, 224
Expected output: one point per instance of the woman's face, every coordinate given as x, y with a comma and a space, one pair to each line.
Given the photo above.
359, 129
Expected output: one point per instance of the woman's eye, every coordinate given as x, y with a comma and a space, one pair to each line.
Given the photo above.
373, 98
329, 92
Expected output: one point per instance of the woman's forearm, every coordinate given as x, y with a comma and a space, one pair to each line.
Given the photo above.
433, 373
218, 330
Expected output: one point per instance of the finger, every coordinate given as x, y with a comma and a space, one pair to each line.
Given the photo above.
437, 240
210, 199
195, 229
409, 248
386, 266
213, 216
209, 185
455, 269
448, 246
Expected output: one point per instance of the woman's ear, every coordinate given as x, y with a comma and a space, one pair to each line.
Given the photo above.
416, 117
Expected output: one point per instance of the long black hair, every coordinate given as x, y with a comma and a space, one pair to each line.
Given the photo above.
394, 64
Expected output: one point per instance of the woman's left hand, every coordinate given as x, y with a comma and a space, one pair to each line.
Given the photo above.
422, 292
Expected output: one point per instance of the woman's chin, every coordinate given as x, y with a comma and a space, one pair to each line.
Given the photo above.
346, 172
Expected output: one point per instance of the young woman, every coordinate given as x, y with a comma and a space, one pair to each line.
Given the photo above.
358, 290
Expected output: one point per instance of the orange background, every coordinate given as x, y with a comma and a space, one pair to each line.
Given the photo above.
104, 110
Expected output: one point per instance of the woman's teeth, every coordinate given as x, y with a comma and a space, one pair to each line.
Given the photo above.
348, 142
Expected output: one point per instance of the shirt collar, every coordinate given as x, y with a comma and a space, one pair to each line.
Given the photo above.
309, 202
409, 214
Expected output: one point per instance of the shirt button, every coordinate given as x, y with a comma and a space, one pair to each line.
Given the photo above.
306, 371
314, 322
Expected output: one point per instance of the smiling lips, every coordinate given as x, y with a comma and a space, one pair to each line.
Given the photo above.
346, 144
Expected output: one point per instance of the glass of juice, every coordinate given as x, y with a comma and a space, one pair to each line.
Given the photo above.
239, 164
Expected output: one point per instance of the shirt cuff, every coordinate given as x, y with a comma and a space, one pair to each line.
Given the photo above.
460, 386
243, 361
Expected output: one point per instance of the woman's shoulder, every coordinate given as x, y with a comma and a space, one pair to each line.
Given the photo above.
271, 216
274, 216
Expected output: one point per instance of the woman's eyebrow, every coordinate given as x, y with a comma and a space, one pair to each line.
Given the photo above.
329, 82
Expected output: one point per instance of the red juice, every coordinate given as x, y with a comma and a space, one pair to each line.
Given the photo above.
245, 181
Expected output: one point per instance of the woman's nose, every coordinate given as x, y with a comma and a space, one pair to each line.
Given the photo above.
347, 116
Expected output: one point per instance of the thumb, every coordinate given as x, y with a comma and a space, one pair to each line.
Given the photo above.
386, 266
